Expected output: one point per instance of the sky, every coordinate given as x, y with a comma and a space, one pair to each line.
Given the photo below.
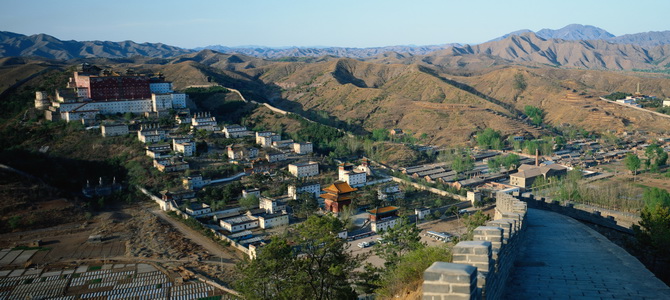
309, 23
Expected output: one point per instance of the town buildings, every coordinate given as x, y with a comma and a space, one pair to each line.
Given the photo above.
304, 169
383, 218
527, 174
197, 209
311, 188
185, 148
353, 176
239, 152
235, 131
204, 121
303, 148
108, 130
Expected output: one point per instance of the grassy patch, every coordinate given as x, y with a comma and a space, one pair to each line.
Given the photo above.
97, 280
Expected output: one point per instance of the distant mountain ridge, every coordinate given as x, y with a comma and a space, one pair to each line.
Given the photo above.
274, 53
43, 45
588, 33
530, 48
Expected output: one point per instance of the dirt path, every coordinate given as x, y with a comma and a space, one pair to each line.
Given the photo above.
226, 255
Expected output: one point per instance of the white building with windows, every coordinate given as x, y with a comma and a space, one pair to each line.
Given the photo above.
114, 129
273, 220
276, 156
266, 141
303, 148
195, 182
272, 205
312, 188
204, 121
304, 169
197, 209
235, 131
354, 177
239, 223
185, 148
151, 134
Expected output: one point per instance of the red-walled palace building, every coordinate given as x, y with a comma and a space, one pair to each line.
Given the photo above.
113, 87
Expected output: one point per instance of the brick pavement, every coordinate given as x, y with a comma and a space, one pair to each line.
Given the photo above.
561, 258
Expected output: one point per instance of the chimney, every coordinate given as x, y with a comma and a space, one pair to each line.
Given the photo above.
537, 157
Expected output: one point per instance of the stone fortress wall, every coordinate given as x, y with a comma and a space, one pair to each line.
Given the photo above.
481, 267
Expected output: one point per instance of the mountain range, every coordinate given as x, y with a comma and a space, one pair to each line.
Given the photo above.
574, 46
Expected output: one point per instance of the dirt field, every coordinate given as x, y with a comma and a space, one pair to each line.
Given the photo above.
129, 234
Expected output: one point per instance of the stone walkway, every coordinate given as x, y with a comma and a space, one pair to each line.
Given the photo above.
564, 259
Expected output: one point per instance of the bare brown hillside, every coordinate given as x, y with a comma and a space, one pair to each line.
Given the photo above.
449, 98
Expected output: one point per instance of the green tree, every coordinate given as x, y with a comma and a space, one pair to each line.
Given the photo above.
407, 275
398, 240
314, 263
653, 231
632, 163
249, 202
461, 162
535, 114
511, 161
380, 134
471, 222
494, 164
268, 276
489, 139
656, 157
520, 82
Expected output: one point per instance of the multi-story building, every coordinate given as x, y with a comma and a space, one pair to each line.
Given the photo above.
241, 152
195, 182
311, 188
90, 93
527, 174
272, 205
167, 166
113, 129
235, 131
273, 220
281, 144
204, 121
185, 148
383, 218
158, 151
303, 148
353, 177
338, 195
151, 134
266, 141
304, 169
276, 156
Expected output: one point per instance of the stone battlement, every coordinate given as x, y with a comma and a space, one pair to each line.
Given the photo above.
481, 267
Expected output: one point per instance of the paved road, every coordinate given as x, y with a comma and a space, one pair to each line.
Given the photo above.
228, 255
564, 259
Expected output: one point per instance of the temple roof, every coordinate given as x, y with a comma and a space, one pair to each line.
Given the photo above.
339, 187
382, 210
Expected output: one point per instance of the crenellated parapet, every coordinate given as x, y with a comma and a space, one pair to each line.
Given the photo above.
481, 268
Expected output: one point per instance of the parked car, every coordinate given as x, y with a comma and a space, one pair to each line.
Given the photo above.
363, 244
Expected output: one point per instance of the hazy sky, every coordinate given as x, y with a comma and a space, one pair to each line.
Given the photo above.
361, 23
